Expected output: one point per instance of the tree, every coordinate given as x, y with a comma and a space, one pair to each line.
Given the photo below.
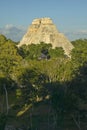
9, 56
79, 53
33, 51
3, 120
2, 39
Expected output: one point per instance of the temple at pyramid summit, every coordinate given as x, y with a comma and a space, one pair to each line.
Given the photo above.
44, 30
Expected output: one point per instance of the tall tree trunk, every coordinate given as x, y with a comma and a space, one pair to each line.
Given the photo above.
77, 122
6, 94
31, 118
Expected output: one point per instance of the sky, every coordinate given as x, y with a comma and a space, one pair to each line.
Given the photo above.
69, 16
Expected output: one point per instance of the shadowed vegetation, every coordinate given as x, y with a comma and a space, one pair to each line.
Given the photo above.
41, 88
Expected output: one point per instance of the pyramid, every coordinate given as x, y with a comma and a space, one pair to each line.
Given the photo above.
44, 30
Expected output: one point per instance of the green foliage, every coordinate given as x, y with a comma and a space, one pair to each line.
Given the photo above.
3, 120
79, 53
2, 39
79, 83
57, 52
35, 51
9, 56
62, 79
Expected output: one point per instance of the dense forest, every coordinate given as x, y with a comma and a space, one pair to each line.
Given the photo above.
41, 88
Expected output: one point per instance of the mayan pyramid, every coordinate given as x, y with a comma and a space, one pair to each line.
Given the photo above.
44, 30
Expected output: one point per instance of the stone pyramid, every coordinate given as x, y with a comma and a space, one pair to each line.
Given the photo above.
43, 30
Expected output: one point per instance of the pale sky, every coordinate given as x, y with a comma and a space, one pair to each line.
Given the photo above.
70, 16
